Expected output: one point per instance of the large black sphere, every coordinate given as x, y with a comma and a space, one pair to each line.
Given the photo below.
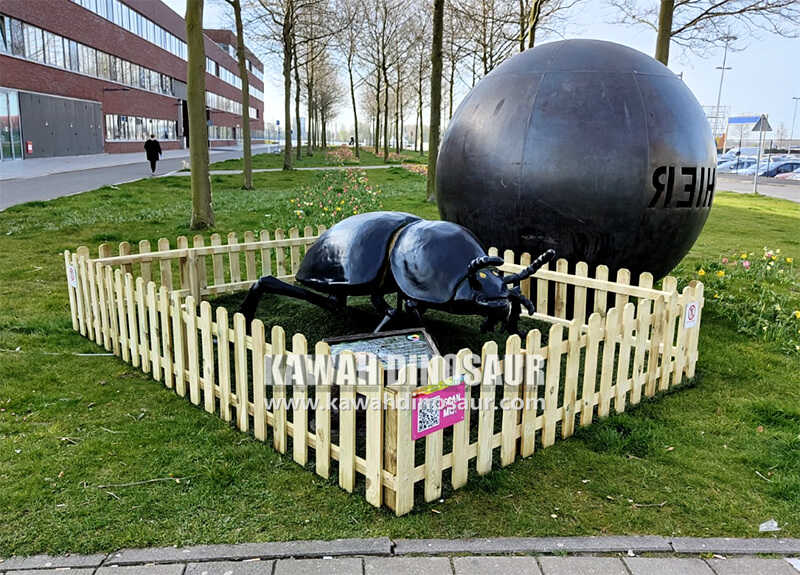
584, 146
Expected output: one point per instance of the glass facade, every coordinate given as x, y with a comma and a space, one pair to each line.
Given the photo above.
10, 128
137, 129
124, 17
26, 41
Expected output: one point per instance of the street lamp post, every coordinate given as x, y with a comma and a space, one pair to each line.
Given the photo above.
794, 117
728, 39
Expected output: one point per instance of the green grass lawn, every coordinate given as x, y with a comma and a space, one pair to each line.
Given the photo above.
320, 158
73, 427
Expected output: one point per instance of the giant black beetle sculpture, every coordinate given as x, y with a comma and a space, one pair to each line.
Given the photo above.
430, 264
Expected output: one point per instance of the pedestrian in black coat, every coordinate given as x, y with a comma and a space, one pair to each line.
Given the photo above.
153, 150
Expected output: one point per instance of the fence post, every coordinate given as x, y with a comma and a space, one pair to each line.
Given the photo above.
435, 441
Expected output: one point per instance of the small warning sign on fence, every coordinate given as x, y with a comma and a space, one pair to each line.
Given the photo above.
72, 276
692, 313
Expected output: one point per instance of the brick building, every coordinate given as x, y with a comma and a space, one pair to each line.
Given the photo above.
92, 76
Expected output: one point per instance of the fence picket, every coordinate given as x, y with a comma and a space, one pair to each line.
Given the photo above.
461, 429
130, 306
404, 452
125, 250
579, 305
166, 336
224, 363
141, 318
571, 377
620, 299
259, 383
594, 335
680, 354
240, 367
250, 256
669, 284
207, 346
144, 265
278, 346
183, 263
642, 333
233, 259
294, 251
655, 341
322, 414
490, 371
102, 304
113, 319
435, 441
165, 265
280, 255
178, 336
73, 308
266, 258
217, 265
624, 362
155, 339
533, 348
200, 263
607, 365
192, 346
541, 292
555, 345
299, 395
561, 290
122, 316
513, 373
345, 381
79, 294
694, 332
373, 473
601, 296
525, 285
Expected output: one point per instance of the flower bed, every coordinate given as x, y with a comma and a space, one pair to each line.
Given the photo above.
335, 195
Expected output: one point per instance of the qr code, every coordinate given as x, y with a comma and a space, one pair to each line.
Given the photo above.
428, 412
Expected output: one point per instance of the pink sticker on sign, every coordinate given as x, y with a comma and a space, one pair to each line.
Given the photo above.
435, 407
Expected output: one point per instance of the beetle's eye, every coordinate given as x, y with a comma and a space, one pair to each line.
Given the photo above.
483, 275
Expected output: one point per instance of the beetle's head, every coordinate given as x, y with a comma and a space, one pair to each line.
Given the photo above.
483, 288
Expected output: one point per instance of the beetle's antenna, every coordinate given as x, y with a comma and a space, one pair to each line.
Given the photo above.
531, 269
483, 262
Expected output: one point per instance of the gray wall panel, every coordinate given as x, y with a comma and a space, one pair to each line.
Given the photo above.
60, 126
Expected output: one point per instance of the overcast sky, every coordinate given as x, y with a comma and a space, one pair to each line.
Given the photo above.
765, 75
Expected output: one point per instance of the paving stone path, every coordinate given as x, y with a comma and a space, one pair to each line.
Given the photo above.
381, 556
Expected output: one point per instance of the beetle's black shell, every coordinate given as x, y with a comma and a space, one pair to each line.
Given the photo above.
352, 253
429, 259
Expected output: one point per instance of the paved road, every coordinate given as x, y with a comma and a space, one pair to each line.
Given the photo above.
786, 189
381, 556
54, 177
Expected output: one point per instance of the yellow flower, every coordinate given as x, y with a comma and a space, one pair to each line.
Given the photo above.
701, 272
789, 260
721, 273
797, 314
716, 296
743, 255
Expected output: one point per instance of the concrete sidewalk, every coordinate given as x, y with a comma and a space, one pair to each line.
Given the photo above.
378, 556
775, 188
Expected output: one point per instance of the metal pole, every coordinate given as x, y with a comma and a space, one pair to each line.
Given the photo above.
794, 117
758, 159
722, 69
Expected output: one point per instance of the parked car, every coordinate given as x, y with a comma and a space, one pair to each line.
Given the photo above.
734, 153
795, 175
736, 166
772, 168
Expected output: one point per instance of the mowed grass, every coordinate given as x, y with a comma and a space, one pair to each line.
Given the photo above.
320, 158
74, 429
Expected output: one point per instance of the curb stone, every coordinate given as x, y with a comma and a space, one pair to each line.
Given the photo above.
734, 546
51, 562
637, 544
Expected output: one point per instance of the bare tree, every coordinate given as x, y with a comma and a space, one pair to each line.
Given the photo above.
698, 25
202, 211
241, 56
436, 95
541, 16
350, 14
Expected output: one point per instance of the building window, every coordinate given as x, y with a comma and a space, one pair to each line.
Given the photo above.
137, 128
54, 49
34, 45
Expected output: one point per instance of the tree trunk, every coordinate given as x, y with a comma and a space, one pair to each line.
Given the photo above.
533, 21
353, 99
523, 20
436, 96
288, 42
385, 113
397, 113
378, 113
297, 106
664, 31
202, 211
247, 154
309, 143
451, 81
419, 116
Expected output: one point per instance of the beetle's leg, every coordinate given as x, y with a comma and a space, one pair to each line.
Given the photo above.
415, 310
271, 284
388, 311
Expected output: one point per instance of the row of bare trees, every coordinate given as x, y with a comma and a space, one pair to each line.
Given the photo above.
389, 60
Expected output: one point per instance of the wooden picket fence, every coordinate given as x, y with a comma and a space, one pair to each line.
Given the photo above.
609, 343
